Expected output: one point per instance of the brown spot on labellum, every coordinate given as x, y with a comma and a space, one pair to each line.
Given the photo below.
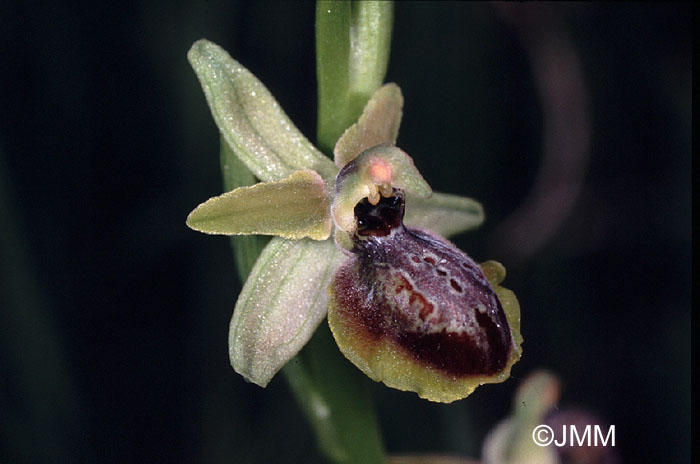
403, 284
467, 266
425, 309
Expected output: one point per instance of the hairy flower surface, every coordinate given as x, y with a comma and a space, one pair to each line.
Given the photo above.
358, 239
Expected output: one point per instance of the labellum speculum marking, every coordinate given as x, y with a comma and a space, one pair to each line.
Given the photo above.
413, 311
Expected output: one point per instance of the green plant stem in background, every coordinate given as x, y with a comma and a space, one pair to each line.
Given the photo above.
353, 40
43, 402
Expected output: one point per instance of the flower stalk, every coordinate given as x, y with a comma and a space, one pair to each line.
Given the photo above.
353, 40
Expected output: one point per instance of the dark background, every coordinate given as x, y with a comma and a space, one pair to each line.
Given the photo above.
114, 315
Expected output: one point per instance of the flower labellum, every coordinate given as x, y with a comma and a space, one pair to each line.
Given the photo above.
413, 311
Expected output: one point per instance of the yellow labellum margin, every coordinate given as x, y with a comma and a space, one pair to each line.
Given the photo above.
286, 295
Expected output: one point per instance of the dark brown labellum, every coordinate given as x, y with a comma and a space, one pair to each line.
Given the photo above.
420, 293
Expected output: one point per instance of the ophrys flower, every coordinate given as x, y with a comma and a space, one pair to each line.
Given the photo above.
407, 307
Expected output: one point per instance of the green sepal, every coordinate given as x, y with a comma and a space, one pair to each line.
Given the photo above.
246, 248
295, 207
280, 306
443, 213
250, 119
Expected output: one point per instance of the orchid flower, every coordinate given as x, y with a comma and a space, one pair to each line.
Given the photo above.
358, 240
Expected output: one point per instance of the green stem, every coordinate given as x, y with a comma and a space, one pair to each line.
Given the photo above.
334, 396
352, 52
